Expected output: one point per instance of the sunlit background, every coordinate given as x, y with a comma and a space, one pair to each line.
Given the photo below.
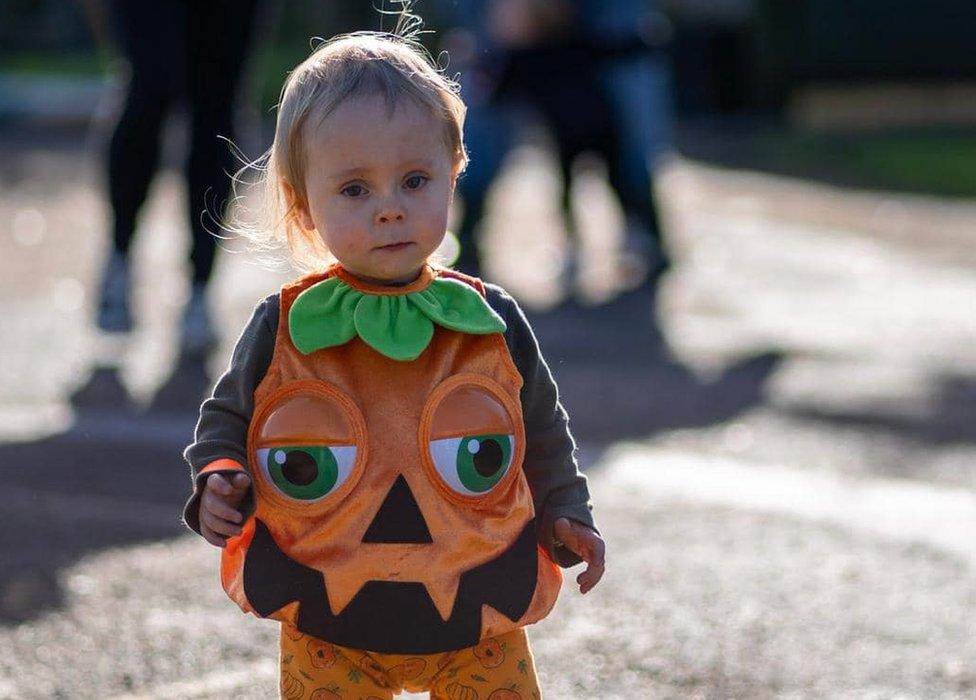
779, 430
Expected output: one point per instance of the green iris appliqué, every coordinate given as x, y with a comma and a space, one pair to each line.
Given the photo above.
307, 472
473, 465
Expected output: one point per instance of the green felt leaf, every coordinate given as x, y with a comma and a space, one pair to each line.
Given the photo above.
455, 305
322, 315
332, 313
393, 326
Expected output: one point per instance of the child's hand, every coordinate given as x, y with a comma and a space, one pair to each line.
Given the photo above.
587, 544
219, 517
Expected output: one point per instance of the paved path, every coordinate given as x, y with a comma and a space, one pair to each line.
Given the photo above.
782, 464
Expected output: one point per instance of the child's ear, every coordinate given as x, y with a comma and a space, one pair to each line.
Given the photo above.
297, 207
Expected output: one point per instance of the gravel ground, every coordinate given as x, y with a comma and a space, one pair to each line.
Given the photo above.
698, 602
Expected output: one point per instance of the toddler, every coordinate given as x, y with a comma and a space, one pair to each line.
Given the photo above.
385, 462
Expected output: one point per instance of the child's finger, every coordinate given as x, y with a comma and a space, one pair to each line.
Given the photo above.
577, 537
222, 510
597, 551
218, 484
590, 577
241, 482
588, 545
219, 526
212, 537
594, 554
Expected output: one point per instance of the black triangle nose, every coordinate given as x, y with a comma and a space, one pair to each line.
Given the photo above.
399, 520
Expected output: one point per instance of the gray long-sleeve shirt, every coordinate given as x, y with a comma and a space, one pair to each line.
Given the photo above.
558, 489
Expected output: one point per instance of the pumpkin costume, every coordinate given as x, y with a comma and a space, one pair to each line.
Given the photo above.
408, 457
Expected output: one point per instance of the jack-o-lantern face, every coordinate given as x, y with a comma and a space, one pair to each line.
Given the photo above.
406, 539
391, 510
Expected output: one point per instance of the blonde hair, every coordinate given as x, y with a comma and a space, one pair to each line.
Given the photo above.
347, 66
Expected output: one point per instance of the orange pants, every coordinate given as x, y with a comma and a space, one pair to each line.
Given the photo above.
499, 668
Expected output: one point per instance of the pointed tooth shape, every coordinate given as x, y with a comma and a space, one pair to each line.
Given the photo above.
341, 588
444, 596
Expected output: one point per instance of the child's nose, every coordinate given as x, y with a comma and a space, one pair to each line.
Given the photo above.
389, 214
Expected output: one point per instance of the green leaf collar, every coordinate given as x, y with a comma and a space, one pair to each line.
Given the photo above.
332, 312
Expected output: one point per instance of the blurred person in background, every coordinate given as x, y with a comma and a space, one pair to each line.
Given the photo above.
594, 74
177, 51
488, 125
628, 39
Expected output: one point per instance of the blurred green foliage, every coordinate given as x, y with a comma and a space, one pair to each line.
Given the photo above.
76, 63
941, 162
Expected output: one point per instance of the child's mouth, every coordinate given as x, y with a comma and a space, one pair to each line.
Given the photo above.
395, 246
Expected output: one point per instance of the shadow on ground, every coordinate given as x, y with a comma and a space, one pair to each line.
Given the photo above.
619, 381
117, 477
950, 418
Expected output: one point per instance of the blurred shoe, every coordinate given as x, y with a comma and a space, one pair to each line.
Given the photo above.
641, 261
570, 272
198, 334
114, 315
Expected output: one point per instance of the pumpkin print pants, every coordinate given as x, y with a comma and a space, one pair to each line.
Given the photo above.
499, 668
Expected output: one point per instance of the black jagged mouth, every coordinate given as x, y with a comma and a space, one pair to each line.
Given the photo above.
392, 617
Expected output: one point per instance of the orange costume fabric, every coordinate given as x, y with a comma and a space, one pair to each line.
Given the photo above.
389, 551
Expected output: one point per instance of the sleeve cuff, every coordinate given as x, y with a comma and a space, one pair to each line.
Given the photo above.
563, 556
228, 467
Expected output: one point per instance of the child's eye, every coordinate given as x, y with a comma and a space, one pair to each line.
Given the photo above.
353, 190
415, 182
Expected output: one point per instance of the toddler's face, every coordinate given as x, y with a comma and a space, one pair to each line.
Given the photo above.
379, 187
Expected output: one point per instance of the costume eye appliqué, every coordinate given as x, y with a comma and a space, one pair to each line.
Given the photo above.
472, 465
307, 472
